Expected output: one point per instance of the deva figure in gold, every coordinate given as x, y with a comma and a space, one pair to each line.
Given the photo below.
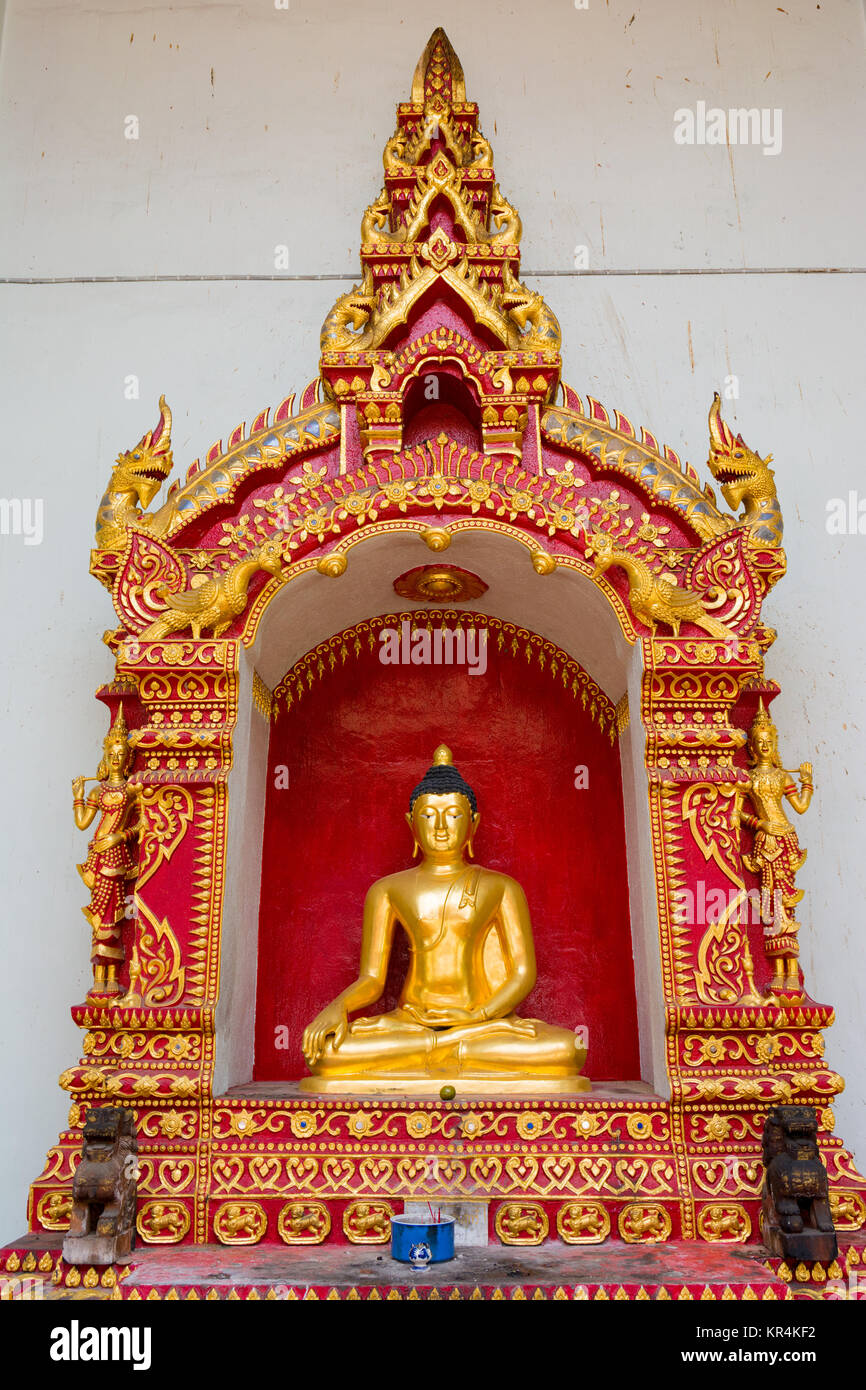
472, 962
776, 855
110, 862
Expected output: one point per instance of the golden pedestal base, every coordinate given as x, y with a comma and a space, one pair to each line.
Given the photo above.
465, 1085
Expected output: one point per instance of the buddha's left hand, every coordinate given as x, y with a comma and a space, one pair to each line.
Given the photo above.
451, 1018
457, 1018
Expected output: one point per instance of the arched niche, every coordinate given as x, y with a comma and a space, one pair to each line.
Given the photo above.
564, 608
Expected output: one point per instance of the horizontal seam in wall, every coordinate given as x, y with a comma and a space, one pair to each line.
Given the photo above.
528, 274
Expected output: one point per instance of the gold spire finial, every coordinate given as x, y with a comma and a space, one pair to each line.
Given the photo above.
442, 756
439, 72
762, 719
118, 728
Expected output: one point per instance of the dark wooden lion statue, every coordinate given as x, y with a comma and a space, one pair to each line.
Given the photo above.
104, 1188
795, 1213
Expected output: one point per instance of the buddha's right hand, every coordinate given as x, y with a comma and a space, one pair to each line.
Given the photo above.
331, 1021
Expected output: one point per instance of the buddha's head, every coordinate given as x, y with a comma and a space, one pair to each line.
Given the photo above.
443, 812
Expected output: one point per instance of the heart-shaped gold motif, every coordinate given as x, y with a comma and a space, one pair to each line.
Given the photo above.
522, 1169
485, 1171
375, 1171
559, 1170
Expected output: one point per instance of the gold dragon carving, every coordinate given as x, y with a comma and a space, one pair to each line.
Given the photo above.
135, 480
746, 479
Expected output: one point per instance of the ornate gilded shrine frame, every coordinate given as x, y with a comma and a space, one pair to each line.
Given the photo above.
332, 485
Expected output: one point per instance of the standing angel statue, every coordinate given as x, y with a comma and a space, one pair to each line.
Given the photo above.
776, 856
110, 861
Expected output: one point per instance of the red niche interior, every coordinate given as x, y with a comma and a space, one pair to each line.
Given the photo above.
353, 748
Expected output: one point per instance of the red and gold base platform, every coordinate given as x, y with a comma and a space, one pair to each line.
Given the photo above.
681, 1271
620, 1164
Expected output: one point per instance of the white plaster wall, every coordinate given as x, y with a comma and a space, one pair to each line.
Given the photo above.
261, 127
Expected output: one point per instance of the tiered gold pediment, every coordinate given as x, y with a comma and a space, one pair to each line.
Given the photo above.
440, 227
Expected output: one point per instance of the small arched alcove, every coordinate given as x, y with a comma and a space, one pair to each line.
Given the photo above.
440, 399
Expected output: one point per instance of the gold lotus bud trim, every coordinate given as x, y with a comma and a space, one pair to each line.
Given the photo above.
436, 538
332, 565
543, 563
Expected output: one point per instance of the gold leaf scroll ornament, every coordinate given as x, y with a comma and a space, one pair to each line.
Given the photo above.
166, 814
709, 811
145, 568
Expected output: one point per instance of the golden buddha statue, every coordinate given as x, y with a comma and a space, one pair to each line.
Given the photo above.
472, 963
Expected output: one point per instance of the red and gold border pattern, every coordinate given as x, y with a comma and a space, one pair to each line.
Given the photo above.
322, 660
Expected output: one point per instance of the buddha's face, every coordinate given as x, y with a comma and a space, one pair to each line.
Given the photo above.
442, 823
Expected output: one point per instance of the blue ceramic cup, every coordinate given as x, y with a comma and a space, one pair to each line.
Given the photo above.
412, 1237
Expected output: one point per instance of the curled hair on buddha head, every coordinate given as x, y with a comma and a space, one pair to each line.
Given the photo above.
443, 777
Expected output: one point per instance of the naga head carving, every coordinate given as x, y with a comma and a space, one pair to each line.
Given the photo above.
517, 300
376, 215
745, 477
357, 311
144, 469
360, 302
